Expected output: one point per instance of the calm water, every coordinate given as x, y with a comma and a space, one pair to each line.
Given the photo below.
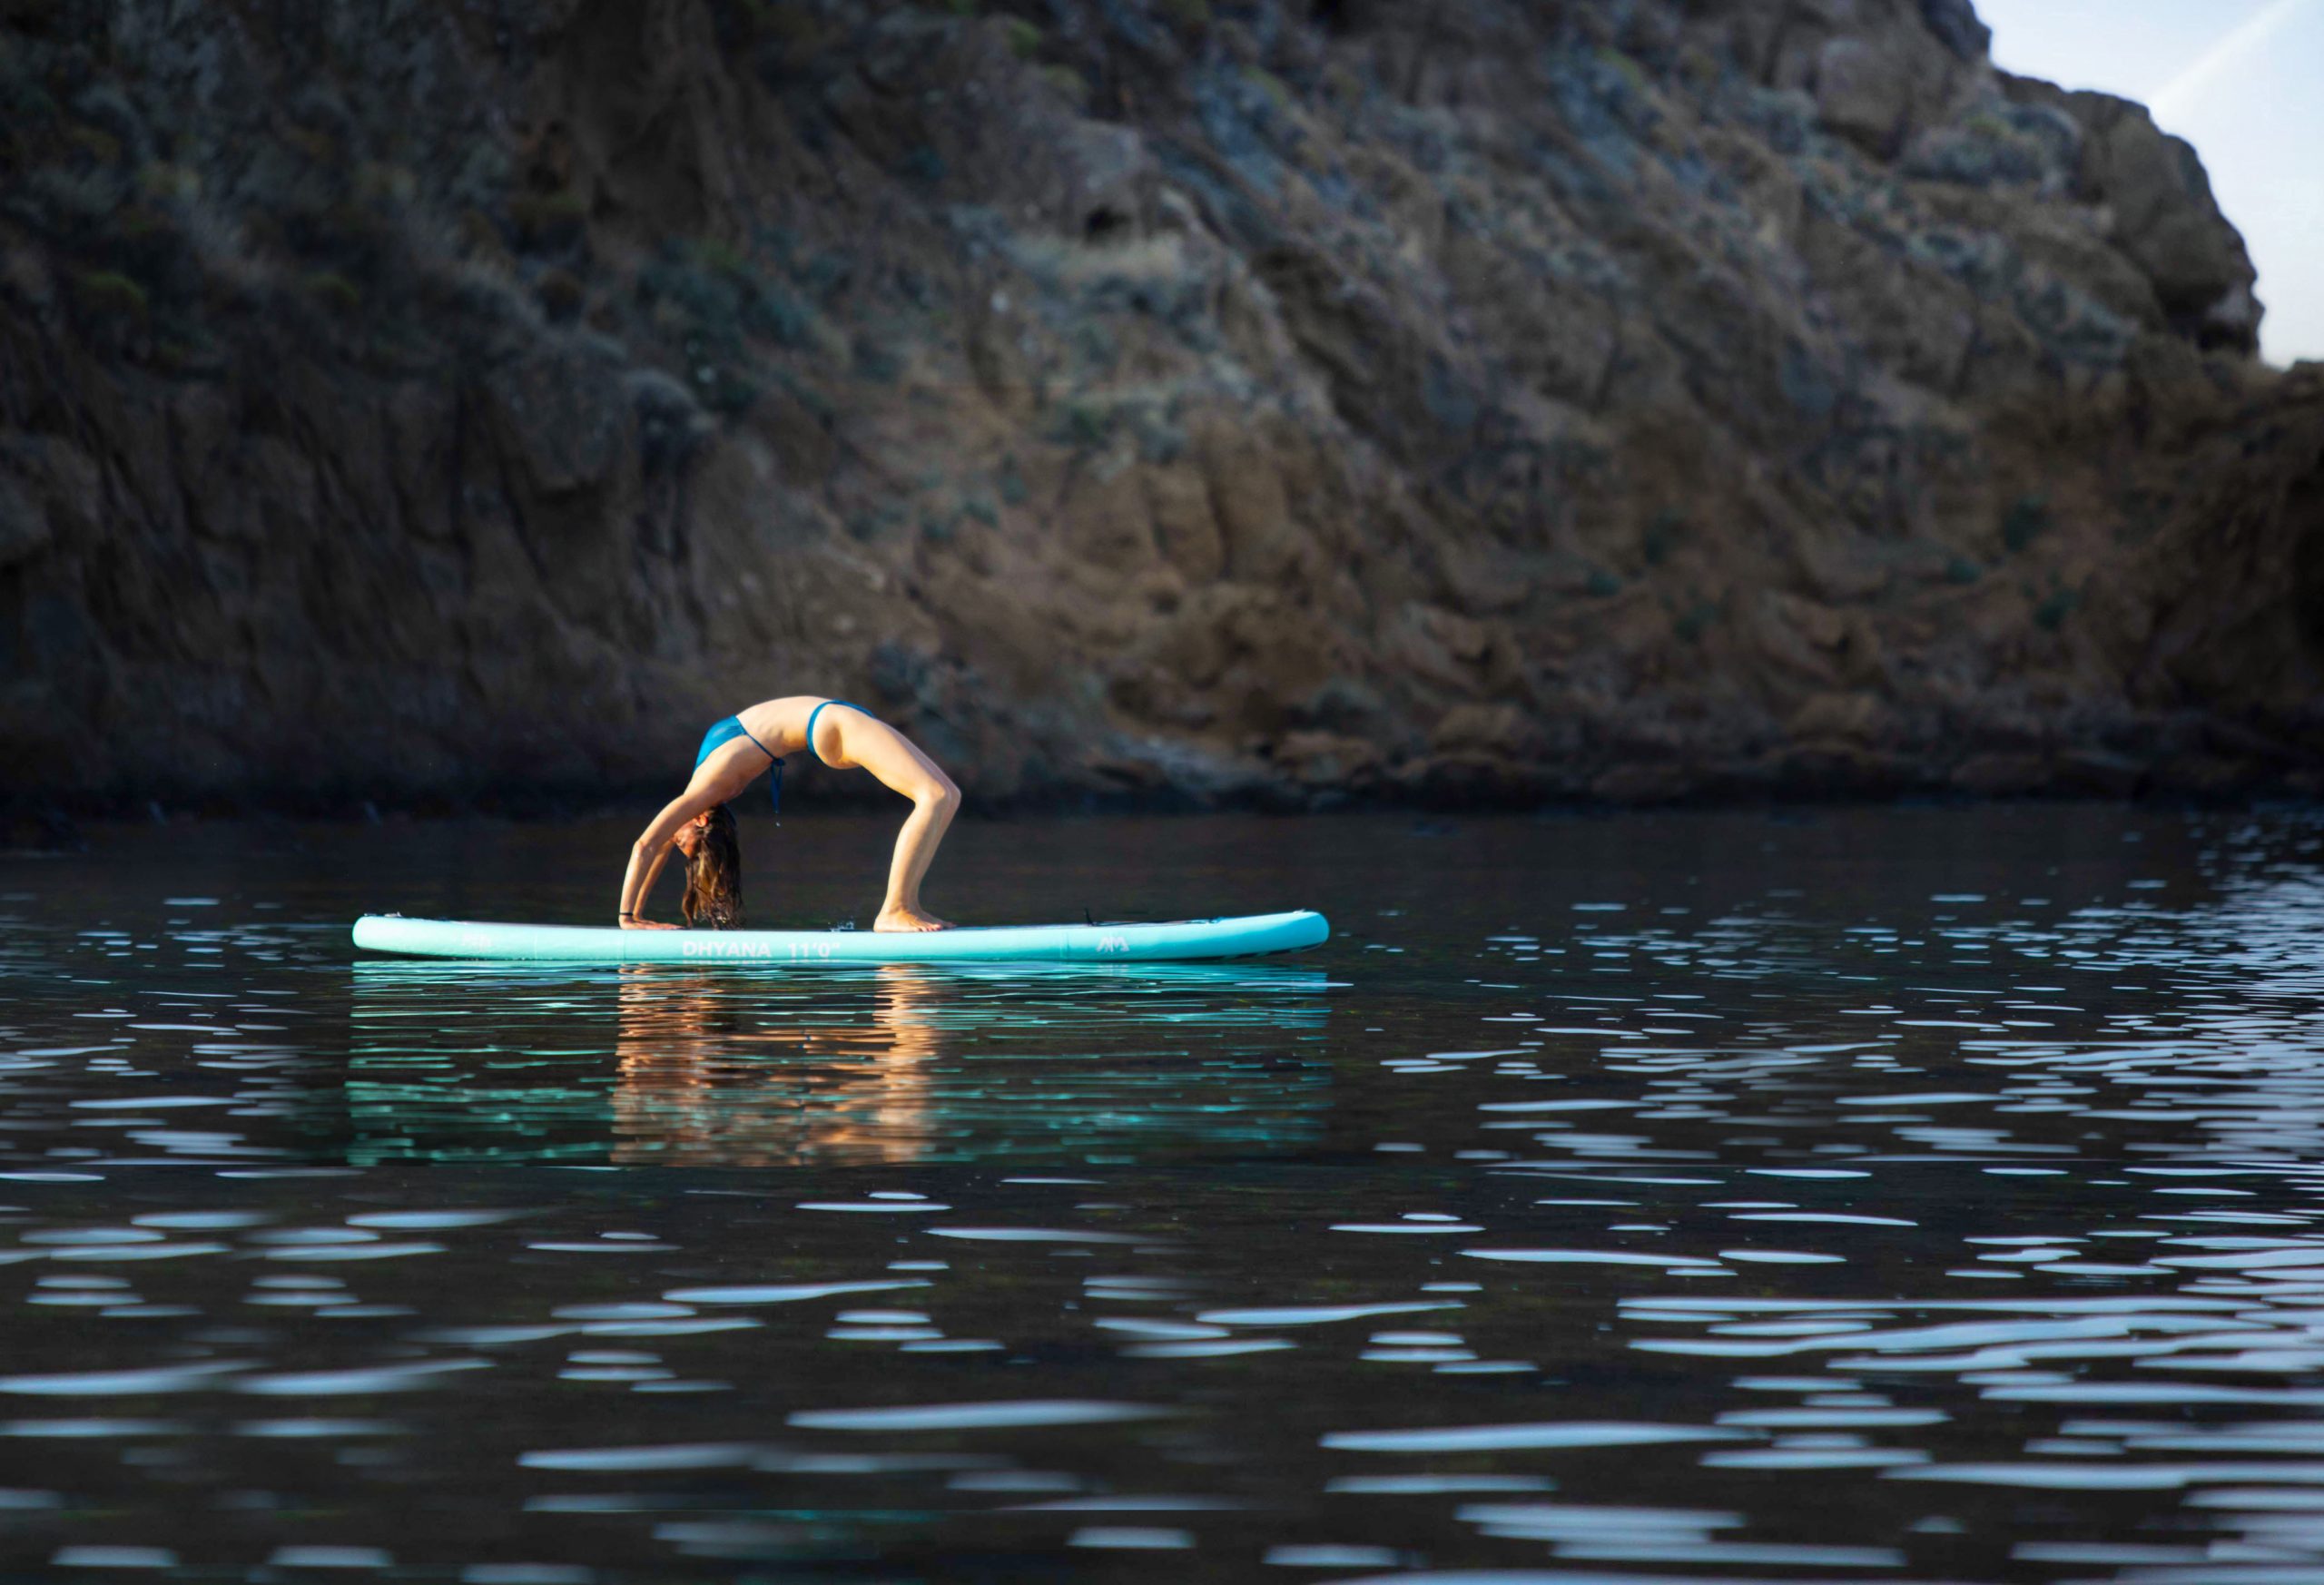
1891, 1195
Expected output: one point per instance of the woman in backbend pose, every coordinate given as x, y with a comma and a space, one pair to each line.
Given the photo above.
698, 823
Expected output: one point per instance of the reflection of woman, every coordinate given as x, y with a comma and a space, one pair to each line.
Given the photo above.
697, 822
698, 1083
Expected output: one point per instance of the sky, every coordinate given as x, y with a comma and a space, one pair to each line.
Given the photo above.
2241, 79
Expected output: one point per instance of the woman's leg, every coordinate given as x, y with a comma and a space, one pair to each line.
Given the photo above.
916, 845
851, 738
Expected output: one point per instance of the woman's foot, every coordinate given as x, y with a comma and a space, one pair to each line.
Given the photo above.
909, 919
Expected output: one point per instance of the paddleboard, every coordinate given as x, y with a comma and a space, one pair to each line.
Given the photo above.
1070, 943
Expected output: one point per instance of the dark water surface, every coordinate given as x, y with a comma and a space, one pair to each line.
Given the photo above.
1903, 1195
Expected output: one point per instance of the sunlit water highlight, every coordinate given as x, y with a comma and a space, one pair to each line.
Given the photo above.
1898, 1194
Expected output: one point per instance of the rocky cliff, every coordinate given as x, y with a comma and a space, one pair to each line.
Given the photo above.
1503, 399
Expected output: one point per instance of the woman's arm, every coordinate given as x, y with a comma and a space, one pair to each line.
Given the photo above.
651, 851
645, 887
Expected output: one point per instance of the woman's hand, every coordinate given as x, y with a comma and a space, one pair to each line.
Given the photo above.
634, 924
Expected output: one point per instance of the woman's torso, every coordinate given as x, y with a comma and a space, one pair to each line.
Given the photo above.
778, 727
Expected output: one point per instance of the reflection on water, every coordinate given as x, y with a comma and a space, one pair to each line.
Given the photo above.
1912, 1196
658, 1064
835, 1091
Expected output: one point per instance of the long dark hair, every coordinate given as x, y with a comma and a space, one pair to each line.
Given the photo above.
715, 875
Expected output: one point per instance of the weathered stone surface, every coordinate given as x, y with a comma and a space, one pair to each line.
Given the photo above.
24, 526
1483, 401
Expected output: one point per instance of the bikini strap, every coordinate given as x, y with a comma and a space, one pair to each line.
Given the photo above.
774, 783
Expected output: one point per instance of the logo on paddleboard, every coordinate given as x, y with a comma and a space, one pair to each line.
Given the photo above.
717, 949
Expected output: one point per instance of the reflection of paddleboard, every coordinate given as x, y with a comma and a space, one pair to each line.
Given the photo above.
1081, 943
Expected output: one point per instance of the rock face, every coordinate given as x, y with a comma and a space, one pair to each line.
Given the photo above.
1499, 399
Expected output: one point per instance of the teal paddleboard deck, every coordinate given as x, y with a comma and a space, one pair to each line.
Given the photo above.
1179, 942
